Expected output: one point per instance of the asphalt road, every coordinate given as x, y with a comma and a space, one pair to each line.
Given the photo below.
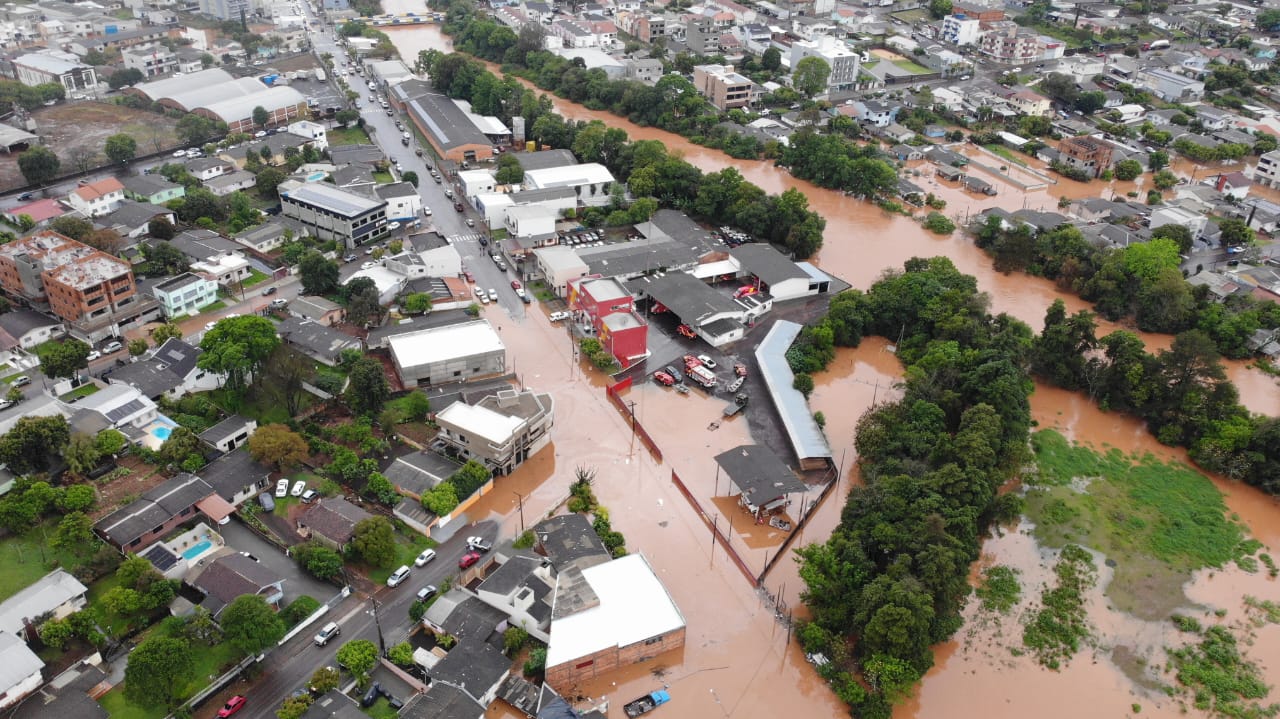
289, 667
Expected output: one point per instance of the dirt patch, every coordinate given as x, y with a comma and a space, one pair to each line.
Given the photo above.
886, 54
119, 492
85, 126
303, 61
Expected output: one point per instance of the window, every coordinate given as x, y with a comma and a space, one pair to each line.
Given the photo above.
653, 640
585, 664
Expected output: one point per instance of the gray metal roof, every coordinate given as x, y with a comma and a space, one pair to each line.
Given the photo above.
688, 297
334, 199
805, 435
17, 661
767, 263
758, 473
154, 508
443, 119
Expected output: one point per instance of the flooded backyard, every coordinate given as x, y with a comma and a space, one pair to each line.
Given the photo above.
737, 660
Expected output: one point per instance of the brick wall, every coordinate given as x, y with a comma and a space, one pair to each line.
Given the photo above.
606, 660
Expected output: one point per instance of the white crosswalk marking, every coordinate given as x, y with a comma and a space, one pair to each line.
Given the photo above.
471, 236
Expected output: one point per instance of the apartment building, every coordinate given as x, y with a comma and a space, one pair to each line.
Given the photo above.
1006, 42
226, 9
650, 28
75, 281
844, 63
185, 294
725, 88
1090, 154
153, 61
961, 29
501, 431
1267, 173
332, 213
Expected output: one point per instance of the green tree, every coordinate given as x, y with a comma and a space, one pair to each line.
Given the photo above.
294, 707
120, 148
260, 116
318, 560
771, 60
124, 77
39, 165
509, 171
381, 489
81, 453
138, 347
195, 129
180, 445
418, 303
470, 477
74, 534
77, 228
319, 275
1164, 180
804, 383
29, 444
374, 541
346, 117
358, 657
284, 376
1235, 232
410, 177
368, 389
1178, 233
165, 332
265, 181
324, 680
157, 671
164, 259
1128, 169
236, 347
401, 654
55, 633
810, 75
76, 498
277, 445
250, 624
939, 9
441, 499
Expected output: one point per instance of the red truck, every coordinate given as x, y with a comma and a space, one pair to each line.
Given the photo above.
695, 371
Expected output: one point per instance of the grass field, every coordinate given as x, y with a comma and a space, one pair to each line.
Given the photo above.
407, 549
255, 277
1006, 153
348, 136
1158, 521
24, 558
912, 67
83, 390
383, 178
209, 663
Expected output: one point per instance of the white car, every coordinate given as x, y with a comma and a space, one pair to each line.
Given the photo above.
397, 577
210, 325
260, 134
480, 295
559, 316
329, 631
426, 211
393, 226
367, 265
93, 356
426, 556
298, 488
493, 295
282, 488
707, 361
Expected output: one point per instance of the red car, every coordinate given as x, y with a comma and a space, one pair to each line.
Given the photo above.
233, 705
468, 559
515, 284
469, 277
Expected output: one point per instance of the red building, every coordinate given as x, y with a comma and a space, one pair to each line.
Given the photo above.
609, 308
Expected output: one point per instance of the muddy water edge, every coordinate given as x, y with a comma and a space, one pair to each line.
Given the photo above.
975, 675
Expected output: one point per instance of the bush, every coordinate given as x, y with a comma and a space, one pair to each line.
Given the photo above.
537, 662
513, 640
804, 383
299, 609
939, 223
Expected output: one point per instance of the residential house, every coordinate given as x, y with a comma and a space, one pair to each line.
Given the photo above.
643, 70
97, 198
69, 694
153, 189
875, 112
330, 213
1174, 215
224, 185
157, 512
317, 341
1027, 102
30, 328
185, 294
207, 168
214, 255
1006, 42
317, 309
522, 587
416, 473
1267, 172
54, 596
152, 61
1214, 119
403, 201
1171, 86
227, 435
133, 219
331, 521
267, 237
170, 371
723, 87
234, 575
570, 541
501, 431
1233, 184
475, 667
53, 66
22, 670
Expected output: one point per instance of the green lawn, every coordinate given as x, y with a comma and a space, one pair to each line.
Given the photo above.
383, 178
119, 708
1005, 153
83, 390
24, 558
348, 136
256, 406
1159, 521
381, 709
215, 306
407, 549
9, 378
912, 67
255, 277
209, 663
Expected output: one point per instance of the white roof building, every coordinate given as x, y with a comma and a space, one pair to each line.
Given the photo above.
450, 353
480, 421
19, 670
633, 607
592, 173
50, 592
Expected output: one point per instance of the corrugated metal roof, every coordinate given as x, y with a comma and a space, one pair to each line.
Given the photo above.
806, 436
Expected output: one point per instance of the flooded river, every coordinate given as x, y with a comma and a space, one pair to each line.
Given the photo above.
737, 661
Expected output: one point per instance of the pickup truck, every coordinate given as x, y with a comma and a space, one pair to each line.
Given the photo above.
738, 404
646, 703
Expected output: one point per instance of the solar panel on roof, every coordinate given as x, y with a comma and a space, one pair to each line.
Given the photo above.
160, 557
124, 410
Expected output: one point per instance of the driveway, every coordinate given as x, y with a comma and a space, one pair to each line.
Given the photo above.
297, 582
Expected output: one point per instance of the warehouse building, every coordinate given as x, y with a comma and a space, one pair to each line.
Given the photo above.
454, 353
446, 127
215, 94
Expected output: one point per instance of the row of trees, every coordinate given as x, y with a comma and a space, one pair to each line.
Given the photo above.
1142, 281
1182, 393
648, 168
893, 575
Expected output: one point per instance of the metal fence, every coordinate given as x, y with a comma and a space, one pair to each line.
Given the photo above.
628, 412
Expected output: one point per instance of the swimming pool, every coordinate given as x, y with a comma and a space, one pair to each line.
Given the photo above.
196, 549
162, 433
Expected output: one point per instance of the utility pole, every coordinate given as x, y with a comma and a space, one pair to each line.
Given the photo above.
521, 500
631, 405
382, 645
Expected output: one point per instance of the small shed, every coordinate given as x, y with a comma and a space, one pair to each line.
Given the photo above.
761, 478
947, 172
977, 184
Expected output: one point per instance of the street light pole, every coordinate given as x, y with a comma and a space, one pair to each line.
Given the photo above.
382, 645
521, 500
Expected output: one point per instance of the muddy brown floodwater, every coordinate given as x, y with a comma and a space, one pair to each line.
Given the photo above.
737, 661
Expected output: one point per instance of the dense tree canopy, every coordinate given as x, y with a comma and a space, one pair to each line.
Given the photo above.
237, 347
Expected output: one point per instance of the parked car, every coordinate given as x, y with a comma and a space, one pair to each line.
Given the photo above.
493, 295
112, 347
282, 488
468, 560
278, 304
426, 556
470, 278
299, 487
371, 696
471, 222
427, 592
515, 284
329, 631
233, 705
559, 316
397, 577
350, 258
707, 361
478, 544
270, 291
393, 226
268, 504
93, 356
426, 211
26, 196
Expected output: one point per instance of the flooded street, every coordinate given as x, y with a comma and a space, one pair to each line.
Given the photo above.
736, 661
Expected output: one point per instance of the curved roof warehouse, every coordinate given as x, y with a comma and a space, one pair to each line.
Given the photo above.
217, 95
